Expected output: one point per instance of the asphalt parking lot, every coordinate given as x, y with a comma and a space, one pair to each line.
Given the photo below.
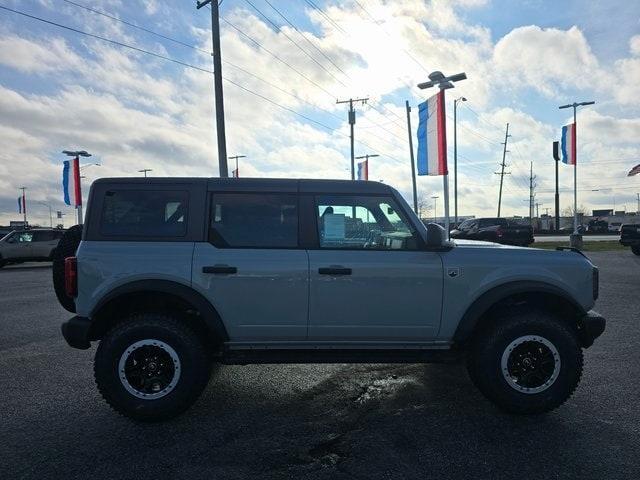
319, 422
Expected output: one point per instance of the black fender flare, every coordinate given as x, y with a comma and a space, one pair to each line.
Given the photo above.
494, 295
207, 311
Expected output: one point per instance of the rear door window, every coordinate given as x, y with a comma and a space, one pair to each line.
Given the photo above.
43, 236
145, 213
254, 220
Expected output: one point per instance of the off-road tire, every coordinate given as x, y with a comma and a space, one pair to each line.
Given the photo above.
636, 249
485, 355
67, 247
195, 366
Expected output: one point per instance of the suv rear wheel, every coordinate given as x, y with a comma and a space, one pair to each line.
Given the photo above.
526, 362
151, 367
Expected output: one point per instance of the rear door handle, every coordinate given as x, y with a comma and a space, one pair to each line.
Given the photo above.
218, 269
334, 271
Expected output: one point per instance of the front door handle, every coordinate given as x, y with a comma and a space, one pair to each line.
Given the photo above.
218, 269
334, 271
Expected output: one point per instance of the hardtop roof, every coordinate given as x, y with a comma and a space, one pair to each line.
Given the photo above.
260, 184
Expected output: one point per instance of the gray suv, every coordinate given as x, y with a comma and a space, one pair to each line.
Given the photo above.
174, 275
32, 245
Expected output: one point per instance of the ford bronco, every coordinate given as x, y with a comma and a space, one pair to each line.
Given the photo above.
174, 275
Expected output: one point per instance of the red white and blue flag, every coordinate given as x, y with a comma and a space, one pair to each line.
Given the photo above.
568, 143
71, 182
363, 170
432, 137
235, 173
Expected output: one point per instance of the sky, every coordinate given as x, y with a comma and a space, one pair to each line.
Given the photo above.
285, 63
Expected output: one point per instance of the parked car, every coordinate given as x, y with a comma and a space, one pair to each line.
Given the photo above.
630, 237
569, 229
29, 245
498, 230
597, 226
614, 227
171, 274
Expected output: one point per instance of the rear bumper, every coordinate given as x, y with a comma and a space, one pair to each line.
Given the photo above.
76, 332
593, 324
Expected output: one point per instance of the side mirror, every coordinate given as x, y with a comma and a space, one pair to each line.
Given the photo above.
436, 235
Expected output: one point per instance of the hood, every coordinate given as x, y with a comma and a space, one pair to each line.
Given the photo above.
480, 244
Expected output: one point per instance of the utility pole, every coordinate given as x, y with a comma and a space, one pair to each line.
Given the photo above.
556, 157
217, 83
413, 166
236, 172
455, 159
24, 206
352, 122
538, 209
502, 165
145, 170
531, 194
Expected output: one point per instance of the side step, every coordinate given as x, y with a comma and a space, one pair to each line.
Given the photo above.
247, 357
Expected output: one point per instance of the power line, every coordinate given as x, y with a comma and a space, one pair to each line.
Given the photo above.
133, 25
389, 35
147, 52
259, 45
295, 43
114, 42
329, 19
305, 38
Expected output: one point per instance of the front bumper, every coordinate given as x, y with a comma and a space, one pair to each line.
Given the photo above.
592, 325
76, 332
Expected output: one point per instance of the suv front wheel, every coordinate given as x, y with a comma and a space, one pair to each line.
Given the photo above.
526, 362
151, 367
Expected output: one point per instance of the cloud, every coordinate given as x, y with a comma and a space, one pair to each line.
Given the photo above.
548, 60
42, 56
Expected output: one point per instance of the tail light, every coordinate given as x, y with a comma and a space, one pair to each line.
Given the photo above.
71, 276
596, 283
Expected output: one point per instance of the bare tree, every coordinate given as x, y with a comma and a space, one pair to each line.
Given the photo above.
568, 210
424, 205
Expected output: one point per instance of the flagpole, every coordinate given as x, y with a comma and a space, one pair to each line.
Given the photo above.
575, 172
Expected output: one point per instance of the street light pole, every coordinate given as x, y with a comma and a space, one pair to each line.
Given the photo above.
145, 170
236, 157
443, 82
367, 157
50, 212
435, 208
576, 237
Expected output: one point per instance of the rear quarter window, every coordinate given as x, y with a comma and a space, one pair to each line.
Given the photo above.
144, 213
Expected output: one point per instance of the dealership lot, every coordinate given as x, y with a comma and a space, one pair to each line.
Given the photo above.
314, 421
